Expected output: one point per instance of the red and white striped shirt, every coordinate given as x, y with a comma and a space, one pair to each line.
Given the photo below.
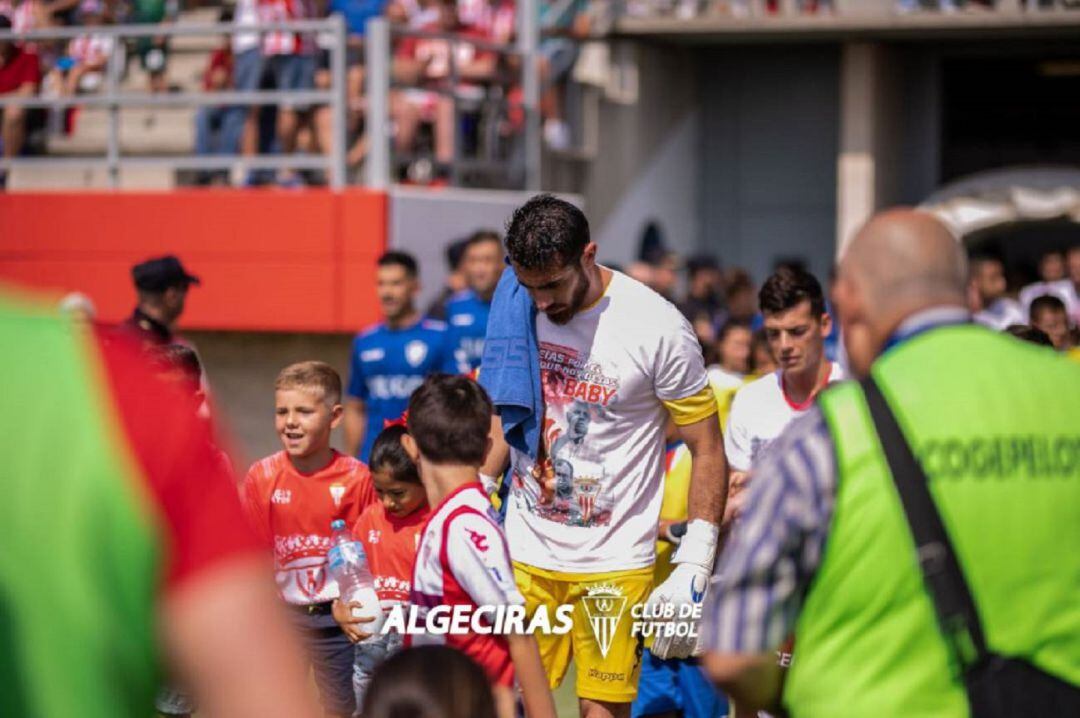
286, 43
91, 49
463, 559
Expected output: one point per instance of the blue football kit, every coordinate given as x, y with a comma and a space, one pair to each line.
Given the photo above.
387, 365
467, 318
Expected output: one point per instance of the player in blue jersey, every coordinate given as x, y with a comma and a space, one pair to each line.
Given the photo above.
467, 311
391, 358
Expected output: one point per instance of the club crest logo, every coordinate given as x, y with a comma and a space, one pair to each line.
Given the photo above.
415, 352
604, 605
337, 492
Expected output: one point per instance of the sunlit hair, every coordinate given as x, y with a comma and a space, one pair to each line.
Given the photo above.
309, 375
546, 233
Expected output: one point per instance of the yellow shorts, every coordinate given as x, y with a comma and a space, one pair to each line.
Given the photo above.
607, 656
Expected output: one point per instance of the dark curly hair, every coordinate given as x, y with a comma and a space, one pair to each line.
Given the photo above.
789, 286
546, 232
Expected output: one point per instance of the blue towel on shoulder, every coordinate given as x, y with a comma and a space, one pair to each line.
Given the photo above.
510, 368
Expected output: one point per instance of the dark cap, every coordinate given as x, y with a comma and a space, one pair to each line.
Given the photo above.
160, 273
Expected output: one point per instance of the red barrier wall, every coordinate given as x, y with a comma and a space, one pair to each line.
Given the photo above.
269, 260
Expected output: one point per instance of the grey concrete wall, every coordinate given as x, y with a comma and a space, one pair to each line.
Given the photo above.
423, 222
241, 367
647, 152
767, 168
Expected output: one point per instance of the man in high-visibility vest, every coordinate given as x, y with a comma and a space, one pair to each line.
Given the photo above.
824, 548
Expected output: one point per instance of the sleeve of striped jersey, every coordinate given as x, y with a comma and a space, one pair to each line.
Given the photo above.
480, 561
196, 500
763, 574
693, 408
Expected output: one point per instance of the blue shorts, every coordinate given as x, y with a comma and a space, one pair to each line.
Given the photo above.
675, 685
293, 72
248, 69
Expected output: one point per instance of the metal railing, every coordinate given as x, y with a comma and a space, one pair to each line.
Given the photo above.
379, 36
379, 73
748, 9
113, 98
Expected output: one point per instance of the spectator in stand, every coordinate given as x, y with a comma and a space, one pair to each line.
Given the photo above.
426, 62
704, 292
80, 70
212, 135
992, 308
563, 24
455, 279
1053, 282
734, 349
356, 14
20, 75
241, 121
291, 61
153, 52
1048, 314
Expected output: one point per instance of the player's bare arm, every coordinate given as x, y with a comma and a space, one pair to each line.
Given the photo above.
697, 547
531, 677
355, 425
753, 681
708, 472
498, 457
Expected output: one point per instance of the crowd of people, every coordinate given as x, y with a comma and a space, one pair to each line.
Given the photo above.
559, 437
430, 70
691, 9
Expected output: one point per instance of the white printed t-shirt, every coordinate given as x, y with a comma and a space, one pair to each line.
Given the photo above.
759, 414
605, 376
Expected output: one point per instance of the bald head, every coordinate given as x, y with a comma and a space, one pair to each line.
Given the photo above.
902, 261
907, 257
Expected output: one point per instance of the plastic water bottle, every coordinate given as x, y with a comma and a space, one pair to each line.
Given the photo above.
347, 564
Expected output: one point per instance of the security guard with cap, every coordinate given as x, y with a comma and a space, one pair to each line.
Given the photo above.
162, 284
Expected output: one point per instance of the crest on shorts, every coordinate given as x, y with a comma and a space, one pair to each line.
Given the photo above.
415, 352
604, 605
337, 492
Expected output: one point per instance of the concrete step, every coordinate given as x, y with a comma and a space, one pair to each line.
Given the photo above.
143, 131
87, 178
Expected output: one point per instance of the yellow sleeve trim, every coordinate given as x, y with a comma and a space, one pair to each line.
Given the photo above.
693, 408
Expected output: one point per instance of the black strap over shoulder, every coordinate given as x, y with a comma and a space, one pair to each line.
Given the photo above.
956, 612
996, 686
